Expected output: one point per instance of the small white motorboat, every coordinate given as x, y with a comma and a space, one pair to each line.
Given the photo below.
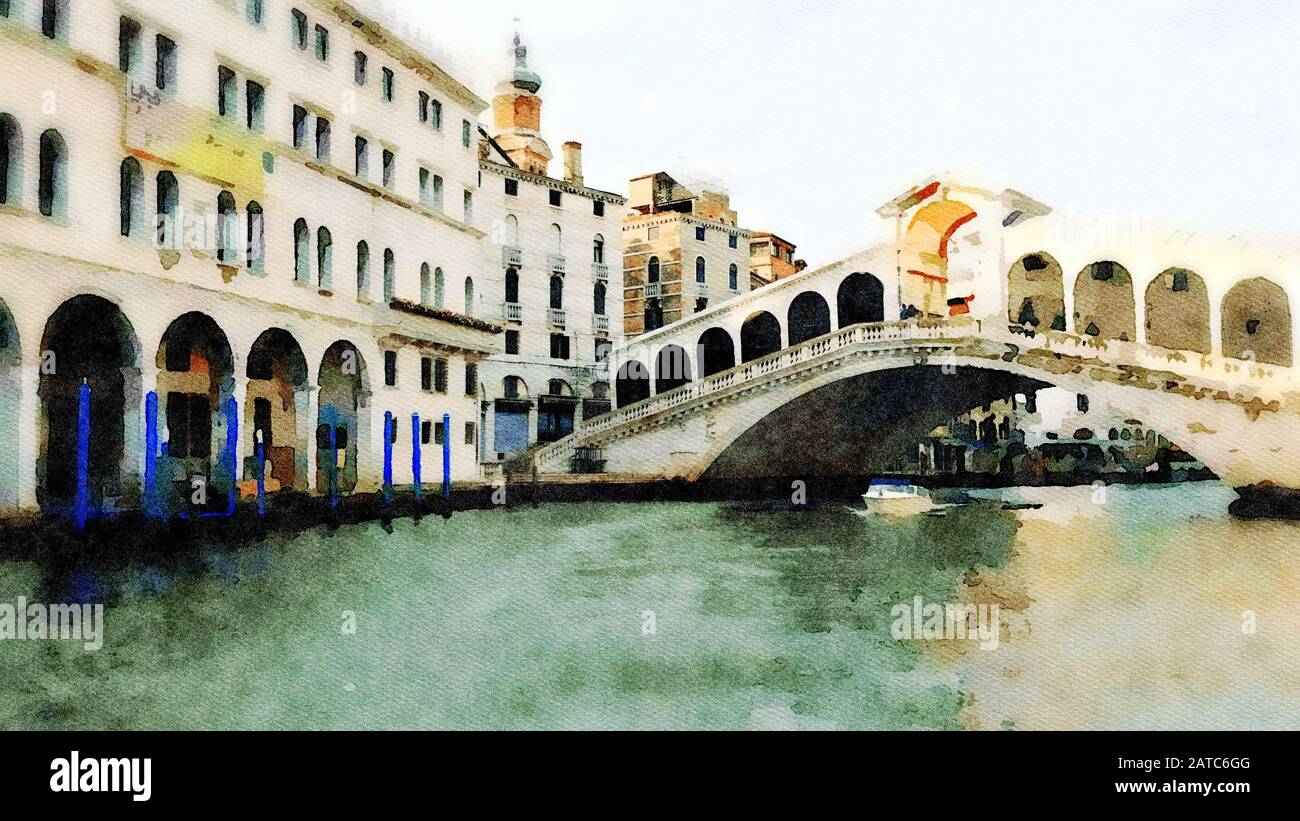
897, 498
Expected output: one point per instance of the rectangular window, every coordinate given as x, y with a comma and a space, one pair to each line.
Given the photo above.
300, 29
128, 41
439, 433
4, 8
362, 157
165, 64
255, 11
51, 25
426, 374
559, 346
471, 379
322, 44
359, 61
225, 92
390, 164
598, 208
469, 207
471, 433
299, 127
435, 114
732, 241
426, 432
512, 343
652, 233
424, 107
440, 375
556, 198
437, 193
390, 368
465, 129
322, 139
255, 107
388, 85
699, 233
426, 195
512, 188
603, 347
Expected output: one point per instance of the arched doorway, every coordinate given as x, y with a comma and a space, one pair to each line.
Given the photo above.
196, 378
808, 318
1178, 312
672, 369
633, 384
1257, 323
1036, 293
717, 352
88, 341
1103, 303
276, 410
861, 299
343, 418
759, 336
10, 387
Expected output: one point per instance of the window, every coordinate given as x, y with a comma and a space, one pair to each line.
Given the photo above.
603, 348
598, 208
168, 204
165, 64
652, 270
559, 346
255, 11
512, 286
322, 44
300, 29
390, 370
426, 432
439, 433
733, 277
390, 164
359, 61
700, 270
598, 300
301, 253
1103, 271
699, 233
54, 19
299, 127
387, 87
390, 275
701, 305
598, 250
471, 379
733, 241
512, 188
438, 288
511, 386
471, 433
255, 96
556, 198
437, 192
1182, 283
465, 133
131, 197
426, 375
322, 139
424, 106
256, 238
324, 259
226, 92
227, 228
652, 233
440, 375
512, 343
362, 157
11, 160
189, 426
53, 188
557, 293
435, 114
426, 285
469, 296
128, 45
469, 207
1082, 403
363, 271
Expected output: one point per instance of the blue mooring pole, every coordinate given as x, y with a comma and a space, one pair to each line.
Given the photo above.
446, 456
151, 506
389, 429
415, 455
332, 473
232, 453
82, 507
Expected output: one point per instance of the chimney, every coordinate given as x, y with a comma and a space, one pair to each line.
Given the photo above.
573, 163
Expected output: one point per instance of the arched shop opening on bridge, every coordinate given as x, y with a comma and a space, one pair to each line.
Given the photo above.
672, 369
808, 318
632, 384
1103, 303
343, 418
11, 389
1178, 311
760, 336
276, 411
717, 352
89, 342
1036, 293
196, 381
860, 299
1257, 323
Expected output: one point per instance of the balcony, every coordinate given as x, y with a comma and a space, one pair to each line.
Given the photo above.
557, 317
600, 271
514, 312
512, 257
700, 289
556, 263
654, 290
600, 323
735, 292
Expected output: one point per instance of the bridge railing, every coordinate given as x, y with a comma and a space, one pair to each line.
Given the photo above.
555, 457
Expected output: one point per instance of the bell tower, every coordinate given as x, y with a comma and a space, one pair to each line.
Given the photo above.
517, 116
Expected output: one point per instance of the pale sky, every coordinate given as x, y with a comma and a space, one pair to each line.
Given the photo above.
813, 114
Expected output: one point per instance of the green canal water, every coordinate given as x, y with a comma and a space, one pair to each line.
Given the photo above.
1123, 611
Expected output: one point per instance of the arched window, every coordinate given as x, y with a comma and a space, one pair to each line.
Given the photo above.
699, 269
512, 286
438, 292
557, 240
53, 189
54, 19
598, 300
168, 203
512, 231
301, 252
324, 259
469, 296
390, 275
227, 222
11, 161
363, 271
131, 197
256, 238
733, 277
557, 293
652, 270
426, 285
598, 250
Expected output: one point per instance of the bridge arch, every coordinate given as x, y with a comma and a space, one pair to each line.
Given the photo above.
1257, 322
717, 352
276, 409
1178, 311
1036, 293
343, 417
809, 317
632, 384
672, 369
860, 298
760, 336
1104, 305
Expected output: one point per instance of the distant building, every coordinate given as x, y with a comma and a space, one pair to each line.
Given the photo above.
771, 258
684, 252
